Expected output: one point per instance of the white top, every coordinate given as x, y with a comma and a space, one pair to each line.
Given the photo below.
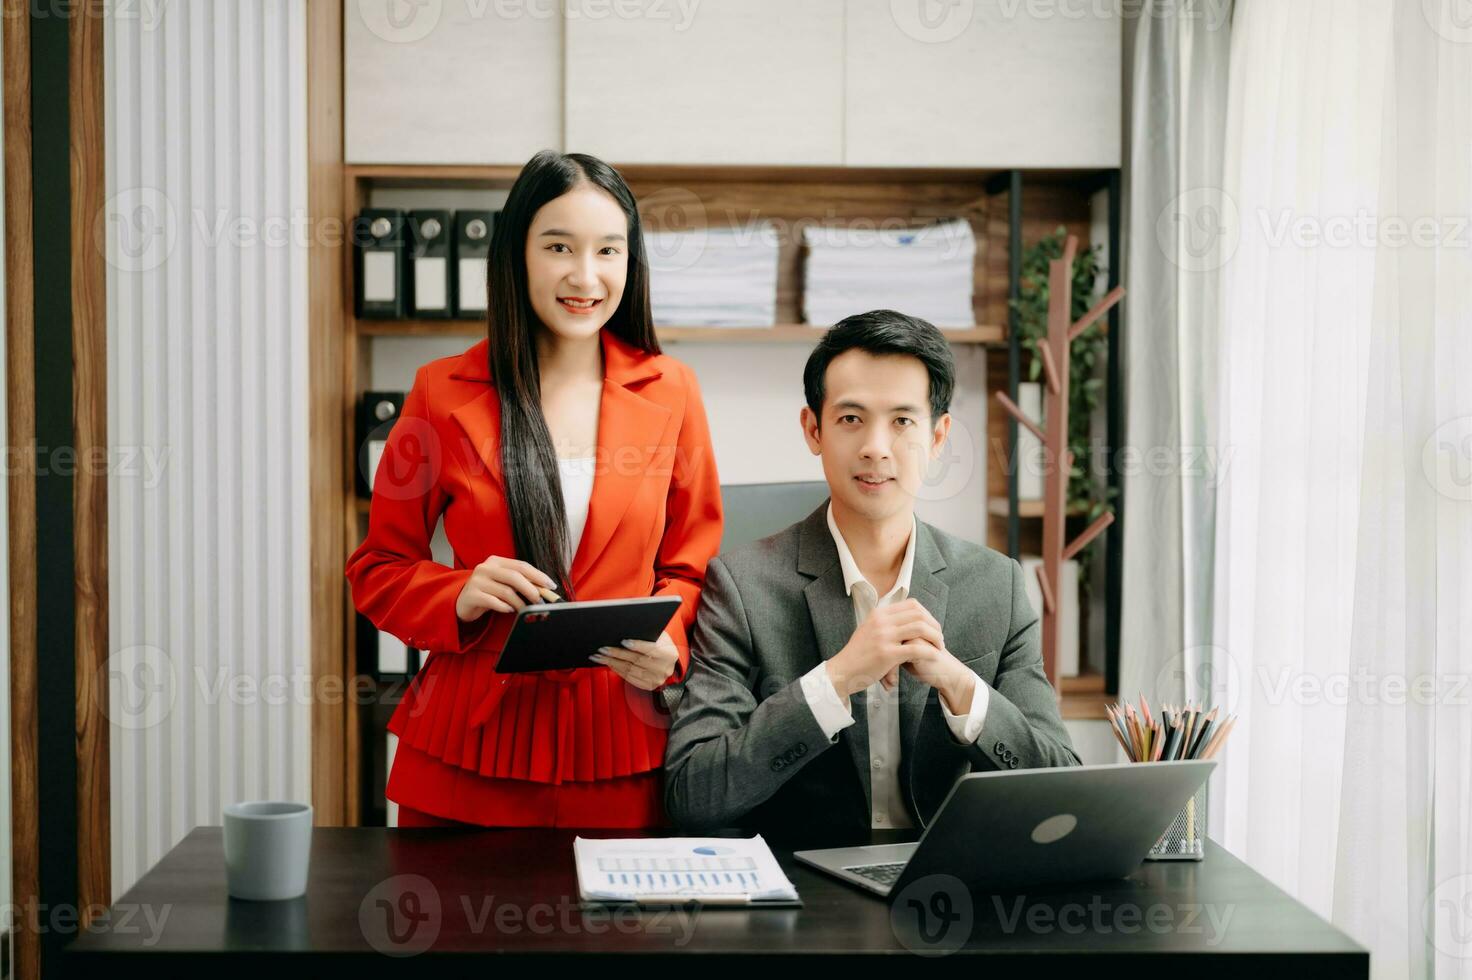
886, 797
577, 488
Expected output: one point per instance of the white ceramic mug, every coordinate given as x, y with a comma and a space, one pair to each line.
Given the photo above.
268, 846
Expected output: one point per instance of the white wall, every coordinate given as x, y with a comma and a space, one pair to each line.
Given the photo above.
981, 83
735, 81
207, 418
451, 81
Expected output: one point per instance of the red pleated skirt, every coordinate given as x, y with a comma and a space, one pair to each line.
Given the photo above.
429, 786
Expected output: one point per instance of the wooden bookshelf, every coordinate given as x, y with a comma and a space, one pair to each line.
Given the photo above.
1084, 697
997, 507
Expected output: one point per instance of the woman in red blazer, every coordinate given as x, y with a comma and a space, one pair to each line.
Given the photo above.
502, 442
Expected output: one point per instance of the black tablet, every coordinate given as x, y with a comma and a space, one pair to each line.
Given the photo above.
561, 635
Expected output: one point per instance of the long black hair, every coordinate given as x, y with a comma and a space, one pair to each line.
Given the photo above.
528, 459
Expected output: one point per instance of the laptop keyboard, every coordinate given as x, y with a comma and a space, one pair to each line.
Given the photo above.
884, 874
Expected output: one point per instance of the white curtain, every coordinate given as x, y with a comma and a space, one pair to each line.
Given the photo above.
1342, 618
1176, 62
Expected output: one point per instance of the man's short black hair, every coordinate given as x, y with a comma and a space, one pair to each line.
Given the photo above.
885, 332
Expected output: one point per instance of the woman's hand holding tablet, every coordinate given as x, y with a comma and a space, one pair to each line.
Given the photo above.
641, 663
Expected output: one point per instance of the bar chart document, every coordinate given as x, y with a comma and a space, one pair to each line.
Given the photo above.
708, 870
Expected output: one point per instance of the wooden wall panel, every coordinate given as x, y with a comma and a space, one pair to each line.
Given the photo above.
330, 420
89, 387
20, 426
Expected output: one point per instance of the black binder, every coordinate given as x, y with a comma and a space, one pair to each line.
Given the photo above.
383, 655
379, 267
472, 252
377, 412
429, 260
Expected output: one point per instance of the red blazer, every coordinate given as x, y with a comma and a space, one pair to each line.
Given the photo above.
654, 520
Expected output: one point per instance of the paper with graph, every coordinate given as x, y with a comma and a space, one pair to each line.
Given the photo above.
681, 869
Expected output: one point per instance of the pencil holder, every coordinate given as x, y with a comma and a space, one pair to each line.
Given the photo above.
1185, 838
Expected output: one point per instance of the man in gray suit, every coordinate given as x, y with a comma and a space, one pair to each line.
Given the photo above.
847, 671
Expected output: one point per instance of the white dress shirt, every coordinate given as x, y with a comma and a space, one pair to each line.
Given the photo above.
576, 477
886, 797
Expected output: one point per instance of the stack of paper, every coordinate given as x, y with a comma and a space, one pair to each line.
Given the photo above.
713, 277
925, 272
717, 870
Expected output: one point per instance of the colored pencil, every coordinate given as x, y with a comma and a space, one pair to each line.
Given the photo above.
1118, 733
1220, 737
1202, 733
1173, 741
1169, 733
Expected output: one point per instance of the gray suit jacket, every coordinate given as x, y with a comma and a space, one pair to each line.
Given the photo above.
745, 749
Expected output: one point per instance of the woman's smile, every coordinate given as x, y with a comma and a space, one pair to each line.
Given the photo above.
578, 305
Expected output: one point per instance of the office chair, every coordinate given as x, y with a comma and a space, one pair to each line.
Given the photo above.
755, 510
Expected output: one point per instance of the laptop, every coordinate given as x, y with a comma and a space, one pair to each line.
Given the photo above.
1017, 828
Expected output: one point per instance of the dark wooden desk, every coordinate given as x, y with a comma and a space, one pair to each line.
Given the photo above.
459, 895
